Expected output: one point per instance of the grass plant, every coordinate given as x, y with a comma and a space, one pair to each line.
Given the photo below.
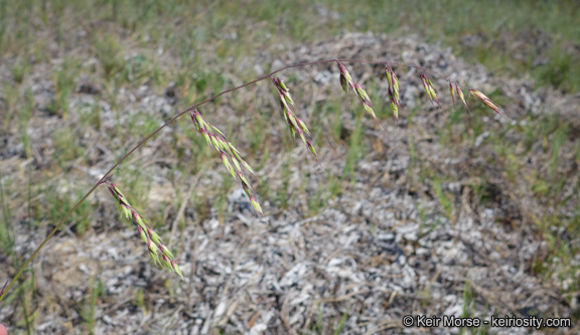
231, 157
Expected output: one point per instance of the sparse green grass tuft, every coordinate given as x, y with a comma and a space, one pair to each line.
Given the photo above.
109, 52
89, 305
6, 230
64, 84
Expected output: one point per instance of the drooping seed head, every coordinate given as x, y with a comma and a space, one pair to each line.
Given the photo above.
295, 124
284, 93
152, 240
229, 154
393, 82
255, 204
345, 78
461, 96
393, 90
432, 89
486, 101
365, 100
452, 92
425, 85
429, 89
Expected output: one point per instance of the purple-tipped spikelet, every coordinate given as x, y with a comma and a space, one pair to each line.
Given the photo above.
461, 96
452, 92
251, 196
487, 101
345, 78
229, 154
365, 100
295, 124
429, 89
346, 81
154, 243
393, 82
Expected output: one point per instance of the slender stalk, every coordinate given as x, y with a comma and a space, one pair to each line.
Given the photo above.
8, 285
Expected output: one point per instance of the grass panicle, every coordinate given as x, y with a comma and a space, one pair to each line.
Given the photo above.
487, 101
159, 253
346, 82
452, 92
461, 96
295, 124
231, 156
345, 78
393, 90
365, 100
429, 89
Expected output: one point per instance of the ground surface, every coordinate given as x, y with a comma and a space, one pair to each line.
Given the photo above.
440, 213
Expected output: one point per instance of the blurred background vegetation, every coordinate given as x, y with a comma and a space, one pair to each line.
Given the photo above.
508, 37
